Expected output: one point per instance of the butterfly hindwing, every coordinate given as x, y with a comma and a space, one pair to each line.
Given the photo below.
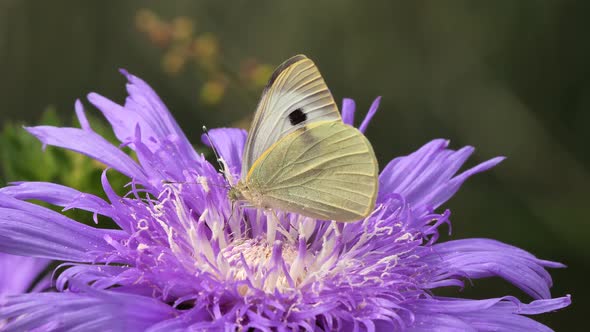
296, 96
326, 170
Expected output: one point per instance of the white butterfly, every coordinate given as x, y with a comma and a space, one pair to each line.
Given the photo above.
300, 157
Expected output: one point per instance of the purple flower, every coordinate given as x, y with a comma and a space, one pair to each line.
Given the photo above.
182, 260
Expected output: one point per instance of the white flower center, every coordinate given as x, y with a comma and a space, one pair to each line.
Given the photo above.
280, 259
261, 263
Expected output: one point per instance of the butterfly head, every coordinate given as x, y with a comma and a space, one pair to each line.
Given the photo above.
239, 192
235, 194
245, 192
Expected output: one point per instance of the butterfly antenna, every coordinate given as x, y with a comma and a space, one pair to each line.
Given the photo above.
191, 182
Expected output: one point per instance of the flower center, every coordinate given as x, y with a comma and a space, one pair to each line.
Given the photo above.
263, 265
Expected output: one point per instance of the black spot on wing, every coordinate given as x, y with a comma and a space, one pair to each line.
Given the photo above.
297, 116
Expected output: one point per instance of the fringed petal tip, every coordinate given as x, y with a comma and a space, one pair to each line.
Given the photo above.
478, 258
499, 314
37, 134
81, 115
348, 109
124, 72
428, 177
372, 111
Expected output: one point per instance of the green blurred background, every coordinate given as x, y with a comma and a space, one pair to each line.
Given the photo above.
508, 77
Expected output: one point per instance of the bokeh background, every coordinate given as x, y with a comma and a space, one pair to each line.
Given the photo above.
508, 77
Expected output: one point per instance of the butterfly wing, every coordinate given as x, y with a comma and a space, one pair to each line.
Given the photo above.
296, 95
325, 170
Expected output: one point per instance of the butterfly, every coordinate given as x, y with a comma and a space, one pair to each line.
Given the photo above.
300, 157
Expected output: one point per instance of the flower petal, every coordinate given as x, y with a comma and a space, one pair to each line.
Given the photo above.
17, 273
99, 311
147, 104
31, 230
482, 258
348, 108
372, 110
57, 195
443, 193
439, 322
500, 314
425, 177
143, 108
400, 175
122, 121
90, 144
229, 143
81, 115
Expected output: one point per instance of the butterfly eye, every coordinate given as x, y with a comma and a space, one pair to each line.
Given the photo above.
297, 116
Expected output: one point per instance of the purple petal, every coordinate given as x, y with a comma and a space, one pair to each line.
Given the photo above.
31, 230
506, 304
425, 177
400, 174
17, 273
144, 101
99, 276
439, 322
156, 163
372, 110
143, 107
482, 258
122, 121
57, 195
229, 143
99, 311
192, 320
158, 168
348, 108
501, 314
443, 193
90, 144
82, 116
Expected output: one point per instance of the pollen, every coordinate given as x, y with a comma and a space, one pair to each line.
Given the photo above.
261, 263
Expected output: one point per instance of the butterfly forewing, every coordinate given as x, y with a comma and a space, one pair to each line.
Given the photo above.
326, 170
296, 95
